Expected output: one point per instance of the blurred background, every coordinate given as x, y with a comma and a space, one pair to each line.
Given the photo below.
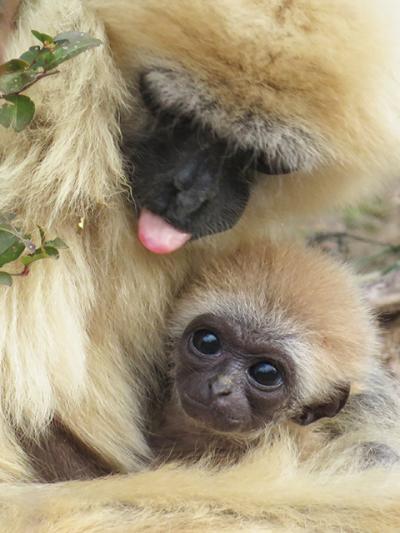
368, 237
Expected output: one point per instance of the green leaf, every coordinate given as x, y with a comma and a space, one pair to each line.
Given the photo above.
12, 253
57, 243
32, 258
4, 226
7, 227
5, 279
45, 59
71, 44
52, 252
7, 239
20, 114
15, 82
31, 55
42, 253
43, 37
15, 65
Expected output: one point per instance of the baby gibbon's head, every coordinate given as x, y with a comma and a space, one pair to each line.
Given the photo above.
269, 334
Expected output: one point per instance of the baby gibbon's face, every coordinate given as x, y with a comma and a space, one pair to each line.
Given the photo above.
229, 385
225, 386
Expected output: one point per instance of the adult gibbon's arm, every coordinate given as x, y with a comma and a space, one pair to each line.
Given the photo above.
269, 492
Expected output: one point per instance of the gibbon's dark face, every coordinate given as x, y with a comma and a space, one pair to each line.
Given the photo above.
232, 386
188, 181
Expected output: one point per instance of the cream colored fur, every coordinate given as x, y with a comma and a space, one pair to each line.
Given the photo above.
75, 335
270, 492
7, 13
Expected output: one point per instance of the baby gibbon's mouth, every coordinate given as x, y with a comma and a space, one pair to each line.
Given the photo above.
158, 236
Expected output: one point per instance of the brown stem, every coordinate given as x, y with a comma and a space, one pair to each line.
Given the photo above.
23, 273
38, 78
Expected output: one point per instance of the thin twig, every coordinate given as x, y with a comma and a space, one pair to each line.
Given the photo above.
38, 78
321, 237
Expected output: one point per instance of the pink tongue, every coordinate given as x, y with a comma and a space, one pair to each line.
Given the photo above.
158, 236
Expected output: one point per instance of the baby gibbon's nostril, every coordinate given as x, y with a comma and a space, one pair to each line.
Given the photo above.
220, 386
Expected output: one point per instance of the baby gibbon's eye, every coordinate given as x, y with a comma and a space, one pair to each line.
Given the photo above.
206, 342
266, 375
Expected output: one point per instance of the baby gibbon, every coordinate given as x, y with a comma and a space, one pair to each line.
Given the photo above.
269, 337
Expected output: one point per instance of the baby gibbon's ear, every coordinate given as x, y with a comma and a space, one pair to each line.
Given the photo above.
312, 413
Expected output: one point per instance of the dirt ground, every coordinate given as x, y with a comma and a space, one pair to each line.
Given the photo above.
368, 236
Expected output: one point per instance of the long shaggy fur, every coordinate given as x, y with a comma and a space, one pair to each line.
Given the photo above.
268, 492
75, 337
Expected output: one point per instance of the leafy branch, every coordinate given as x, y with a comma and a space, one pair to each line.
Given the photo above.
37, 63
15, 246
17, 112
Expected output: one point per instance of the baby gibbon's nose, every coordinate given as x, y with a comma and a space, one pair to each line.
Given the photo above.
220, 386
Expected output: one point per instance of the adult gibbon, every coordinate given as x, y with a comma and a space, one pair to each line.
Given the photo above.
234, 114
